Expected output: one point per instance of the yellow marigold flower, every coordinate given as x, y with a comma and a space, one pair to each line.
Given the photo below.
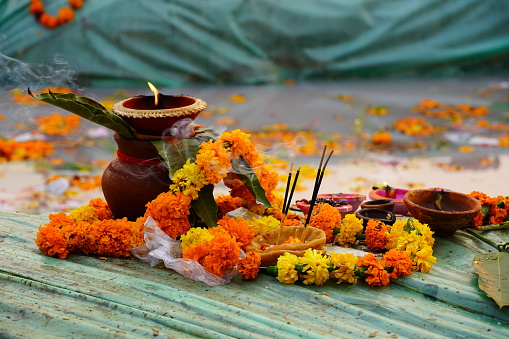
344, 266
264, 224
84, 213
425, 232
286, 273
423, 259
397, 230
315, 270
350, 226
189, 180
195, 236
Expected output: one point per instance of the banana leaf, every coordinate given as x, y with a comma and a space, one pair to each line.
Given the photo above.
493, 275
88, 109
250, 180
205, 206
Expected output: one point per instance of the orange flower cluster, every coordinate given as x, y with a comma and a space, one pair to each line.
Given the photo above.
416, 126
326, 218
456, 113
382, 138
503, 140
57, 124
89, 230
170, 211
11, 150
494, 126
83, 182
494, 211
376, 235
394, 264
241, 146
249, 266
219, 256
65, 14
227, 203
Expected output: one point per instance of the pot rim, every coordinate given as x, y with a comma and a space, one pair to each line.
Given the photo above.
196, 107
476, 209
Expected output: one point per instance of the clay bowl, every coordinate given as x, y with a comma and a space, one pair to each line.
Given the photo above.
387, 217
381, 204
350, 198
396, 195
458, 209
343, 209
144, 117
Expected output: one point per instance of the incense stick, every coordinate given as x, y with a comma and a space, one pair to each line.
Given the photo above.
285, 202
292, 190
316, 187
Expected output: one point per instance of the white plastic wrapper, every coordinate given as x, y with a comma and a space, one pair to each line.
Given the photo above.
159, 247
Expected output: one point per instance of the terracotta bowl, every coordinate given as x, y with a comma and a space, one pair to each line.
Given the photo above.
350, 198
144, 117
387, 217
396, 195
381, 204
458, 209
345, 209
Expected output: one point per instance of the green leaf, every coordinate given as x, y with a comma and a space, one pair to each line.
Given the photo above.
493, 277
88, 109
205, 206
250, 180
176, 151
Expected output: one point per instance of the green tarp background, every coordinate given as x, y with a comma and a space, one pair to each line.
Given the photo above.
179, 42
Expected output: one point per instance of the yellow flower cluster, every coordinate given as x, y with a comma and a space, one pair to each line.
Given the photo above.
415, 239
350, 226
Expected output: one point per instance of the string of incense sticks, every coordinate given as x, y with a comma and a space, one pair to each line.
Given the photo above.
288, 199
318, 182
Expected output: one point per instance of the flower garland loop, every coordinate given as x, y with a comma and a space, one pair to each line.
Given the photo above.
65, 14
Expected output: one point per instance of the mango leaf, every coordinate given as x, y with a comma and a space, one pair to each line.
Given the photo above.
88, 109
493, 275
205, 206
250, 180
176, 151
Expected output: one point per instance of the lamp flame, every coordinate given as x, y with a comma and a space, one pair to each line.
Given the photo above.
156, 93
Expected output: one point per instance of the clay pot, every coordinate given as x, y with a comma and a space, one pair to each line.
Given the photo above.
134, 178
381, 204
387, 217
396, 195
169, 117
458, 209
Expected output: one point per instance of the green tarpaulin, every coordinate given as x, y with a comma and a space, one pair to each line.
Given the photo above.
254, 41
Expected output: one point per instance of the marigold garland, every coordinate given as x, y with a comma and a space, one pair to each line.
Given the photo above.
88, 230
65, 14
170, 210
326, 218
350, 226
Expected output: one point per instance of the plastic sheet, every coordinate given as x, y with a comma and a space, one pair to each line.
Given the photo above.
87, 296
250, 41
159, 247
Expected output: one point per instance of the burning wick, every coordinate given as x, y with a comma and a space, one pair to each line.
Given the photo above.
156, 93
389, 191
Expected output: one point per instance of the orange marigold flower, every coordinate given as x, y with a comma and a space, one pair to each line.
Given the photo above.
48, 21
376, 235
170, 211
239, 229
76, 3
102, 209
399, 261
326, 218
36, 8
223, 255
478, 220
196, 252
377, 276
248, 267
497, 215
65, 15
227, 203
